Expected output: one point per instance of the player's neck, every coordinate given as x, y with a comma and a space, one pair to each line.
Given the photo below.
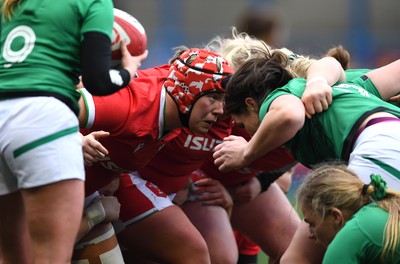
171, 114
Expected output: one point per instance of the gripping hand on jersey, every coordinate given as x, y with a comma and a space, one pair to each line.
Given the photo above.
316, 97
209, 191
229, 155
93, 150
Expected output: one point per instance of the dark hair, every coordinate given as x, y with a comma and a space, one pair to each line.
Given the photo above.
256, 78
258, 25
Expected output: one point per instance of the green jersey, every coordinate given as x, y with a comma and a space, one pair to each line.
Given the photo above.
329, 135
353, 76
40, 45
361, 240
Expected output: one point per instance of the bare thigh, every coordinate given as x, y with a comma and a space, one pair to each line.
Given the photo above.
269, 220
52, 214
214, 225
166, 236
14, 236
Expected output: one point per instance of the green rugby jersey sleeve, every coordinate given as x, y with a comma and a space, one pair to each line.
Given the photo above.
295, 87
99, 17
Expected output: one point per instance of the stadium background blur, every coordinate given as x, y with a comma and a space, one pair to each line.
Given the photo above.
368, 29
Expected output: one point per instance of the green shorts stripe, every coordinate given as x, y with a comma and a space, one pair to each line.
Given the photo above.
21, 150
384, 166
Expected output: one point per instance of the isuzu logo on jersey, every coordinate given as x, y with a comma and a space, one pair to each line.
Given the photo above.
109, 165
201, 143
139, 147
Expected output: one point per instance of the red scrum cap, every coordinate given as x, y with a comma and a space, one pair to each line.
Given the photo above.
195, 73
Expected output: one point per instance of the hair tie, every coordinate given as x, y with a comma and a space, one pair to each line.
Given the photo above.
293, 56
380, 187
364, 189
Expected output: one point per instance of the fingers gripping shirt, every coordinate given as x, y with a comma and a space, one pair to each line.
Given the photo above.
190, 151
134, 116
187, 153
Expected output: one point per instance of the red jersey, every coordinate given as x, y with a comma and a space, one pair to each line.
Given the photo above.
183, 155
161, 70
277, 160
189, 151
134, 116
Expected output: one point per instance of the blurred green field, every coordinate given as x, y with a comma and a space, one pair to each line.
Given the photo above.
262, 258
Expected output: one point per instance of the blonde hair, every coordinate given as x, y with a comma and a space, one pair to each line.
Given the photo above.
178, 51
335, 186
7, 10
241, 47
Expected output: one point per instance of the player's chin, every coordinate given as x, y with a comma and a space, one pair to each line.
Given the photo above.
202, 130
202, 127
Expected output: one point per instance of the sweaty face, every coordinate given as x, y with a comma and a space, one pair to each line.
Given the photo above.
249, 121
206, 111
323, 230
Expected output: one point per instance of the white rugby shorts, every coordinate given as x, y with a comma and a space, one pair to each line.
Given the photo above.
39, 143
377, 151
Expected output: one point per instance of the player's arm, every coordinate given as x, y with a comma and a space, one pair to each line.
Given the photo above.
386, 80
103, 209
97, 77
321, 75
285, 117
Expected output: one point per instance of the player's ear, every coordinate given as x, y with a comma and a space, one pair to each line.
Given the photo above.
338, 217
251, 104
